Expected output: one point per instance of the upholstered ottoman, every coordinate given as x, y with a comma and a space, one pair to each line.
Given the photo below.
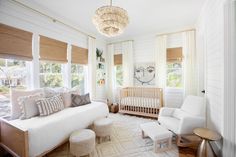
82, 142
103, 128
161, 136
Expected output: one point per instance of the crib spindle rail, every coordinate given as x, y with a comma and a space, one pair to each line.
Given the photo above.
143, 101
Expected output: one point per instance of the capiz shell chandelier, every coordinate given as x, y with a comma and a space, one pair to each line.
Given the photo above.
110, 20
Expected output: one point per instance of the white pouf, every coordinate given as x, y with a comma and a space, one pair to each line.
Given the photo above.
103, 128
82, 142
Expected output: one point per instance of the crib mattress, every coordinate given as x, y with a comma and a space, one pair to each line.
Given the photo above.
141, 102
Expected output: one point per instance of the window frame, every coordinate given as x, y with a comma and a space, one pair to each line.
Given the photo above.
62, 66
84, 76
182, 74
27, 76
115, 74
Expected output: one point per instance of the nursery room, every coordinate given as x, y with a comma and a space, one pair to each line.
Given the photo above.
117, 78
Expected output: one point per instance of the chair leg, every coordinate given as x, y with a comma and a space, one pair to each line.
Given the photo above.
169, 143
143, 136
99, 140
155, 145
90, 155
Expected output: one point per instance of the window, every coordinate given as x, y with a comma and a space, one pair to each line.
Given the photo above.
51, 74
13, 74
78, 77
174, 74
119, 75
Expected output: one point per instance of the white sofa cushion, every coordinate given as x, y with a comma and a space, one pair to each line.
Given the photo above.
47, 132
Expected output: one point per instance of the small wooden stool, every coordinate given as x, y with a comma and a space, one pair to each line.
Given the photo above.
206, 135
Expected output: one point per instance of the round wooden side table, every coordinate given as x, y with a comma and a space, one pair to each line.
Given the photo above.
206, 135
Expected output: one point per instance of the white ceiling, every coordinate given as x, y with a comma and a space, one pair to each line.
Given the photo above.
146, 16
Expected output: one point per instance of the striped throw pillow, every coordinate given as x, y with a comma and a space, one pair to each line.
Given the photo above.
50, 105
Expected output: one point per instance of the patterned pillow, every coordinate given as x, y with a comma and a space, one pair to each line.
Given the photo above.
28, 105
79, 100
66, 97
50, 105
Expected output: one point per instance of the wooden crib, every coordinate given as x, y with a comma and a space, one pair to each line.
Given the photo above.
143, 101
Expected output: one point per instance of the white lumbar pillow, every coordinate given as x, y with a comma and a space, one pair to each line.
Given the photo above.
28, 105
15, 106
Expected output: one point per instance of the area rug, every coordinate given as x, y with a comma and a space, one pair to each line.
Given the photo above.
126, 141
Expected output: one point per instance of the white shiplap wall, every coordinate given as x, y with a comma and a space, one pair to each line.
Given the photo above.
144, 49
144, 52
210, 28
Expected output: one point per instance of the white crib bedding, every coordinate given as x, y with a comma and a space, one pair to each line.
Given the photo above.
141, 102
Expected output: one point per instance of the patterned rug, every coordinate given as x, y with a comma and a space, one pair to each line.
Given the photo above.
126, 141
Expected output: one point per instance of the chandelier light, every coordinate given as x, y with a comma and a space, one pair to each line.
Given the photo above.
111, 20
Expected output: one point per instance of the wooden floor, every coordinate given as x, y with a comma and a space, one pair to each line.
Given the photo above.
187, 152
183, 152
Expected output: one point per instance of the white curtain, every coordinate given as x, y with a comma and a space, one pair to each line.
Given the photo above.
160, 61
128, 65
92, 67
189, 53
110, 72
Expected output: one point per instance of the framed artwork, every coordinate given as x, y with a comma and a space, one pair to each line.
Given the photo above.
144, 74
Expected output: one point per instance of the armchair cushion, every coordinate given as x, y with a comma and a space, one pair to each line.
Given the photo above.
166, 111
180, 114
194, 105
170, 123
188, 124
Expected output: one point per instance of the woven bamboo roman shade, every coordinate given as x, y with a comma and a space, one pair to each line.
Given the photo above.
174, 54
118, 59
52, 50
79, 55
15, 43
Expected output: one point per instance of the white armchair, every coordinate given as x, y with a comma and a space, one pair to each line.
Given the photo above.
182, 121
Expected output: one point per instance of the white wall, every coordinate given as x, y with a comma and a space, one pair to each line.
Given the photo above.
144, 52
16, 15
210, 33
144, 49
210, 43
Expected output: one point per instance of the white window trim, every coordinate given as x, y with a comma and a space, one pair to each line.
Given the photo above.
67, 68
182, 73
34, 83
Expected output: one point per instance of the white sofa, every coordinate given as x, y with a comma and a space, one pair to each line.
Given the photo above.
182, 121
39, 135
